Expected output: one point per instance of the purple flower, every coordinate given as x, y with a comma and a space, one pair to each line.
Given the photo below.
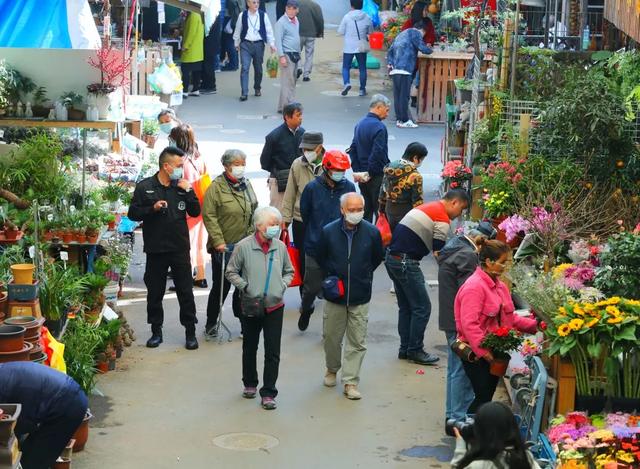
513, 226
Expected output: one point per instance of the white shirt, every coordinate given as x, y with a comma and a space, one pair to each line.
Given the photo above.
253, 28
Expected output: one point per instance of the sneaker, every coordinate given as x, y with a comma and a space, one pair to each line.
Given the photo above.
330, 379
243, 97
202, 283
185, 95
345, 90
217, 70
210, 333
362, 93
258, 93
195, 93
249, 392
407, 125
352, 393
211, 91
269, 403
422, 358
306, 79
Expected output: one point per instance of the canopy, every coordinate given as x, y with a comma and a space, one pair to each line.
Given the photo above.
64, 24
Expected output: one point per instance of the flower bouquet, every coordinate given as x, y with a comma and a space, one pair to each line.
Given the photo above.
455, 174
500, 342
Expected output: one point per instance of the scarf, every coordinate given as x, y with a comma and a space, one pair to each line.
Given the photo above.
238, 185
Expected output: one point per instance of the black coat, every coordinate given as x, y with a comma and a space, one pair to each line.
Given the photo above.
281, 147
163, 231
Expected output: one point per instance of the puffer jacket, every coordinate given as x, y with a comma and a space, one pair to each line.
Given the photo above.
401, 184
301, 174
227, 212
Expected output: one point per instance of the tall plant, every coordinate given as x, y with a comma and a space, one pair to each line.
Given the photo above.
60, 288
619, 273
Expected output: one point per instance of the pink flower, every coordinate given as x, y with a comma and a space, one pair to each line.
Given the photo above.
513, 226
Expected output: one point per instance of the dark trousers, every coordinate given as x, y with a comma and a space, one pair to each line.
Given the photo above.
271, 327
297, 228
155, 278
190, 71
213, 304
395, 213
370, 190
229, 50
212, 42
484, 383
251, 51
46, 442
401, 94
347, 59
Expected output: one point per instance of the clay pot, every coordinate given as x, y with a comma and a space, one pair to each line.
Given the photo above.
81, 435
81, 238
11, 338
22, 273
41, 357
498, 367
92, 239
75, 114
10, 413
3, 304
31, 324
111, 226
62, 463
48, 235
67, 237
17, 356
11, 235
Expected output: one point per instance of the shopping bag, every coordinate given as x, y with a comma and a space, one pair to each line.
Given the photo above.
294, 255
385, 230
200, 187
54, 351
371, 9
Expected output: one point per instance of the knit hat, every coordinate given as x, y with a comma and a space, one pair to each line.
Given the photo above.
292, 3
484, 228
310, 140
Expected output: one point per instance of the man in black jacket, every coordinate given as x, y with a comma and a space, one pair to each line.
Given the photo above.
311, 27
162, 202
350, 250
53, 407
281, 147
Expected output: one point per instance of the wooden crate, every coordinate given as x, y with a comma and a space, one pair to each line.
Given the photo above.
625, 15
139, 72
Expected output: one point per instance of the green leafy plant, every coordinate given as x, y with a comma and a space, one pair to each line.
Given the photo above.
114, 192
94, 296
150, 127
82, 342
13, 254
72, 99
620, 266
60, 288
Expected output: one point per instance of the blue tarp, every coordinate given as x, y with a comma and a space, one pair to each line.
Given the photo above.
34, 23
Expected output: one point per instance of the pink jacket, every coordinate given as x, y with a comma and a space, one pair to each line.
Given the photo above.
476, 309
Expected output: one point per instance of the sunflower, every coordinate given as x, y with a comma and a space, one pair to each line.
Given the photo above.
614, 300
613, 310
576, 324
564, 330
593, 322
562, 310
578, 310
615, 320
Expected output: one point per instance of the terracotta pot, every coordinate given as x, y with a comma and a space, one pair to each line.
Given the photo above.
501, 236
92, 239
272, 73
48, 235
111, 226
22, 273
3, 304
62, 463
11, 412
498, 367
67, 237
102, 367
11, 338
75, 114
39, 358
81, 435
18, 356
515, 242
31, 324
11, 235
81, 238
74, 236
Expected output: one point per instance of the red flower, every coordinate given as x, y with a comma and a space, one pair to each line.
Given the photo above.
543, 326
502, 331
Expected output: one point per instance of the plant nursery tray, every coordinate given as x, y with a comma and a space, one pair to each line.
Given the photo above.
4, 240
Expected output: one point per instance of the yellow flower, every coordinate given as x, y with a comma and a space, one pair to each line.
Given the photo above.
602, 435
593, 322
564, 330
562, 310
558, 270
615, 320
614, 300
576, 324
613, 310
578, 310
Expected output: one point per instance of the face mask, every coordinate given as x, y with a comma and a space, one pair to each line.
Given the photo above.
166, 127
310, 155
337, 176
238, 171
354, 217
272, 232
176, 174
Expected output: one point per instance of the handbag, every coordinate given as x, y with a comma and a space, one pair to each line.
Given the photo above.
385, 229
463, 350
363, 44
332, 288
254, 307
282, 177
294, 256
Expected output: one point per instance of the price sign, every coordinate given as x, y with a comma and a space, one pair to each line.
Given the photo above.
64, 255
32, 252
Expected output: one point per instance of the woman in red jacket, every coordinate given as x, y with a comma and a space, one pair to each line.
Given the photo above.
420, 12
483, 304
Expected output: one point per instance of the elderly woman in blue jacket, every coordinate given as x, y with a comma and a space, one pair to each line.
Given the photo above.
349, 251
401, 60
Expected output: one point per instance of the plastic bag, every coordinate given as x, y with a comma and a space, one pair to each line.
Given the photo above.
165, 79
385, 229
54, 351
371, 9
294, 255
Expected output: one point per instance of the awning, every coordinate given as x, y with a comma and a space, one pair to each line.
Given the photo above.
210, 8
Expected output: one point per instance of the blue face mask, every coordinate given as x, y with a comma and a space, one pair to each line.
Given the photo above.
337, 176
176, 174
166, 127
272, 232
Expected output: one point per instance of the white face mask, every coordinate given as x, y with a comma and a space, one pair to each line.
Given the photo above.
310, 155
354, 217
238, 171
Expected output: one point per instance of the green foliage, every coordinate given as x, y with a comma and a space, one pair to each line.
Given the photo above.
14, 86
82, 341
13, 254
93, 297
113, 192
60, 288
542, 72
618, 275
72, 99
150, 127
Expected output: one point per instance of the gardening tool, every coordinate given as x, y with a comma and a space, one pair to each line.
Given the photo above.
223, 263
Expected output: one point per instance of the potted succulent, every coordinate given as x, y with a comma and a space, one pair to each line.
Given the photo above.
150, 130
72, 101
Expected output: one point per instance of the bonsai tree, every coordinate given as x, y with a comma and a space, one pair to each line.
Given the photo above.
112, 67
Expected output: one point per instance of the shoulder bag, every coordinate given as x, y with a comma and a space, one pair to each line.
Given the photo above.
363, 44
254, 307
282, 177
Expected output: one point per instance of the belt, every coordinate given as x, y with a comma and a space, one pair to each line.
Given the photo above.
401, 256
252, 42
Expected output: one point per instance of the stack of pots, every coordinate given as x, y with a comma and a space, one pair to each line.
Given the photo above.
4, 297
23, 287
13, 347
32, 335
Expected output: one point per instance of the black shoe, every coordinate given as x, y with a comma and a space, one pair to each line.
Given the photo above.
402, 355
191, 342
306, 79
422, 358
414, 101
345, 90
229, 69
156, 338
209, 91
172, 288
202, 283
243, 98
258, 93
298, 73
303, 322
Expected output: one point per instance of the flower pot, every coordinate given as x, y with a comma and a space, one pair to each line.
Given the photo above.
10, 414
111, 226
515, 242
48, 235
17, 356
502, 235
62, 463
150, 140
81, 435
498, 367
3, 304
93, 239
23, 291
273, 73
75, 114
102, 102
81, 238
102, 366
22, 273
39, 358
67, 237
11, 338
11, 235
112, 364
30, 323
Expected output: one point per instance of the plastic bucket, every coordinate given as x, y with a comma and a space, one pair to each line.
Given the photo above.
22, 273
376, 40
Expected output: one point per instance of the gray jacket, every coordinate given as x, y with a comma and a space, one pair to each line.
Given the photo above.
348, 29
248, 266
457, 260
311, 19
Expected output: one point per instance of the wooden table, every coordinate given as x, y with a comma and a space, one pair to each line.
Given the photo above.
436, 71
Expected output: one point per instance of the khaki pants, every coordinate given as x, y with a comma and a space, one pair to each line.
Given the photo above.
275, 197
288, 76
339, 319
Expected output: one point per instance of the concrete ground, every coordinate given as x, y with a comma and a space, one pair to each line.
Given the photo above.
164, 408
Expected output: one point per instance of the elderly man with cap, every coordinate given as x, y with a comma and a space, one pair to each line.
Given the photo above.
457, 261
303, 170
287, 31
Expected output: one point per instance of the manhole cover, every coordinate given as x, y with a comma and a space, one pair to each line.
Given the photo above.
246, 441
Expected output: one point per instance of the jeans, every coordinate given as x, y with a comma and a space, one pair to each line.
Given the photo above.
362, 66
213, 303
251, 51
414, 306
484, 383
401, 93
459, 390
370, 190
271, 327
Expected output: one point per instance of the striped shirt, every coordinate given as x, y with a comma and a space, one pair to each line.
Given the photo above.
422, 230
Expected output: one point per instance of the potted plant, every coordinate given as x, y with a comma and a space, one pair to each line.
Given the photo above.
272, 66
455, 174
111, 221
500, 342
59, 289
93, 232
94, 297
11, 230
113, 193
112, 66
39, 107
150, 130
73, 101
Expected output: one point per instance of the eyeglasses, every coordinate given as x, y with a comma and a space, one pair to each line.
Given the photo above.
506, 265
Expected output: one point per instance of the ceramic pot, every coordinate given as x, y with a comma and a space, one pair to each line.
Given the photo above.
17, 356
81, 435
82, 238
92, 239
22, 273
498, 367
3, 304
11, 338
67, 237
10, 413
11, 235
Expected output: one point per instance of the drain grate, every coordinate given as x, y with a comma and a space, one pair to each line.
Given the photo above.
246, 441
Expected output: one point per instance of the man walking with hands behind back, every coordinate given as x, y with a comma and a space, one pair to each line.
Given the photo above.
369, 153
311, 27
288, 46
162, 203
